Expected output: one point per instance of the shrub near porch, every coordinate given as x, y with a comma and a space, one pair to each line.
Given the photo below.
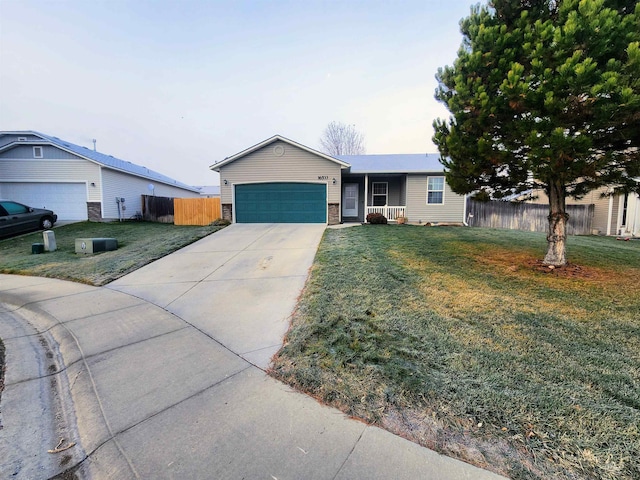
459, 340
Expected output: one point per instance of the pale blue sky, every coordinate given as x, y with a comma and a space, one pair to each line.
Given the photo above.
177, 85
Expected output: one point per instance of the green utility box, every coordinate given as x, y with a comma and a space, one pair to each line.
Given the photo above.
95, 245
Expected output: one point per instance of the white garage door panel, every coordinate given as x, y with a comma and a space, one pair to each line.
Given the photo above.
67, 200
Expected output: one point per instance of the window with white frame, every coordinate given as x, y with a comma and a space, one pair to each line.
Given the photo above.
379, 193
37, 152
435, 190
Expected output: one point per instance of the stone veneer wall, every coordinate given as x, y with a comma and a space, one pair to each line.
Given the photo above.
94, 211
334, 213
227, 211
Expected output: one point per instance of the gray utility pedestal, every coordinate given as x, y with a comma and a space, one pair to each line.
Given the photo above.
95, 245
49, 241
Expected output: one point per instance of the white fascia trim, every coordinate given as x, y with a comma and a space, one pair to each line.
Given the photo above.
397, 172
17, 143
216, 166
108, 167
120, 170
22, 132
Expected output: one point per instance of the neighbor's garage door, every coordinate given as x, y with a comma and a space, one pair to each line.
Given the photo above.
281, 203
67, 200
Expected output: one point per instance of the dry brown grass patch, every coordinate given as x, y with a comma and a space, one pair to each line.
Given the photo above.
456, 296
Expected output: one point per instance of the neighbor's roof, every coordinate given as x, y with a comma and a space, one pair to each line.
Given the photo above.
209, 189
216, 166
394, 163
104, 160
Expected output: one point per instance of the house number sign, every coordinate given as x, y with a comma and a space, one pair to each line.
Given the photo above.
323, 177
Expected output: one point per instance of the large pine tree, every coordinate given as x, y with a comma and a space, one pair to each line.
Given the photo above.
544, 94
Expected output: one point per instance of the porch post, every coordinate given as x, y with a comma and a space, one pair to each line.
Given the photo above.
609, 215
366, 195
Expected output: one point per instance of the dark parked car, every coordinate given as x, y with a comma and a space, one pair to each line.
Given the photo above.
18, 218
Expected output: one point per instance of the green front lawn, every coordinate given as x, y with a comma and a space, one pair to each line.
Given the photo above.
459, 340
139, 243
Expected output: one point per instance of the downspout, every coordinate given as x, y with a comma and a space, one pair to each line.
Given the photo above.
464, 212
102, 202
366, 194
609, 215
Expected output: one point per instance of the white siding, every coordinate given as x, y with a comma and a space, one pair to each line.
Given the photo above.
53, 171
452, 210
295, 165
131, 188
633, 215
600, 209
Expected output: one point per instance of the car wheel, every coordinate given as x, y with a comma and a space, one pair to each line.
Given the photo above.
46, 223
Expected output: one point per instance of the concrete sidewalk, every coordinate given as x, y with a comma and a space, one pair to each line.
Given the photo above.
160, 374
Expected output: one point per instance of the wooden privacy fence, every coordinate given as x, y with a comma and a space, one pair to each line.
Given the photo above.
196, 211
157, 209
526, 216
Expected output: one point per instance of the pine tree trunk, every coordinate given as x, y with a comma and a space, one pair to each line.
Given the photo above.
556, 236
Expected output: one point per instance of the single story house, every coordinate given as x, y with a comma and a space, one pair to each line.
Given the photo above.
279, 180
75, 182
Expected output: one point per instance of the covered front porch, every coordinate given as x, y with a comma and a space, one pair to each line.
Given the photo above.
373, 193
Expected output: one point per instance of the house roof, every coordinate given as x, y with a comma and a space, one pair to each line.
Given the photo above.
216, 166
209, 189
108, 161
394, 163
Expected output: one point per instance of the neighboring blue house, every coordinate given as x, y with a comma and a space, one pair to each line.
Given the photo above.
76, 182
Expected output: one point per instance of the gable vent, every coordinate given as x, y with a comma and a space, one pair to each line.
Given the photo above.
22, 139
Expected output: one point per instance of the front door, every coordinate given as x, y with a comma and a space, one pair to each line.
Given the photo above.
350, 200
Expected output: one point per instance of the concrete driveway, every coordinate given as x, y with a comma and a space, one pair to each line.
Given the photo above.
160, 374
238, 286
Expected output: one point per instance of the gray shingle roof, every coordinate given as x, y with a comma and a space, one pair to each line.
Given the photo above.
394, 163
113, 162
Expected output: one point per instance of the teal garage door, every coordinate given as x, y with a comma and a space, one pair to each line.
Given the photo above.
281, 203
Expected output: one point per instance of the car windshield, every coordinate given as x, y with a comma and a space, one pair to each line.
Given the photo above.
13, 208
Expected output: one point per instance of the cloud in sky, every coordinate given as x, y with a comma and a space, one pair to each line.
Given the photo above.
177, 85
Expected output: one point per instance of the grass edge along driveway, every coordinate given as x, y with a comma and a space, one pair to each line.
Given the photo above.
139, 243
456, 338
